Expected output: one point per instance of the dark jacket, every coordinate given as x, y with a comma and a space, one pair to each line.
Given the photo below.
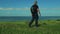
34, 10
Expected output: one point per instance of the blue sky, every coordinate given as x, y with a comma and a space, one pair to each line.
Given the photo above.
21, 7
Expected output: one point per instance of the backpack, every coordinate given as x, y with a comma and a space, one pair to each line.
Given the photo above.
32, 11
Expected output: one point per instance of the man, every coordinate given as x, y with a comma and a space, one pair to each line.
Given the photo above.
34, 12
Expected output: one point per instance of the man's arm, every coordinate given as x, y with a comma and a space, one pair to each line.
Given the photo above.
39, 11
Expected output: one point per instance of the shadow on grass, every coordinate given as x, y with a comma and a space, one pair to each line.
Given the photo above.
37, 25
58, 20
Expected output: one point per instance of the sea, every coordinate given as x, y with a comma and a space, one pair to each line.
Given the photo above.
18, 18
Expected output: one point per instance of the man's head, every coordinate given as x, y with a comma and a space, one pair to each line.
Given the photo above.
35, 3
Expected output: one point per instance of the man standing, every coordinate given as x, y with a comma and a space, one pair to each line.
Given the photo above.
34, 12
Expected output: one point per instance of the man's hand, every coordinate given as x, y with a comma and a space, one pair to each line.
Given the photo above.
39, 13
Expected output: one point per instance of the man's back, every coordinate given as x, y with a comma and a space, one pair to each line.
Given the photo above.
34, 9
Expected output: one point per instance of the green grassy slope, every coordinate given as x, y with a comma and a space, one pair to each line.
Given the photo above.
21, 27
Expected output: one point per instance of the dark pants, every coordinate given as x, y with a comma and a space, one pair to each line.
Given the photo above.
34, 17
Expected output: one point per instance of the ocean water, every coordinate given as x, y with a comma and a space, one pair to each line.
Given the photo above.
16, 18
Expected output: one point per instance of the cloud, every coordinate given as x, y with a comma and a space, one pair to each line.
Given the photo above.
6, 8
50, 8
14, 8
28, 8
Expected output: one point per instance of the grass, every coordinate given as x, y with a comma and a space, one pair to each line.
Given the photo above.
21, 27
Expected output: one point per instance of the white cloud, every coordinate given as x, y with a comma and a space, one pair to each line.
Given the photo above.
50, 8
28, 8
14, 8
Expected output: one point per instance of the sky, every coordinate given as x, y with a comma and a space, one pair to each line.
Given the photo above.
22, 7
